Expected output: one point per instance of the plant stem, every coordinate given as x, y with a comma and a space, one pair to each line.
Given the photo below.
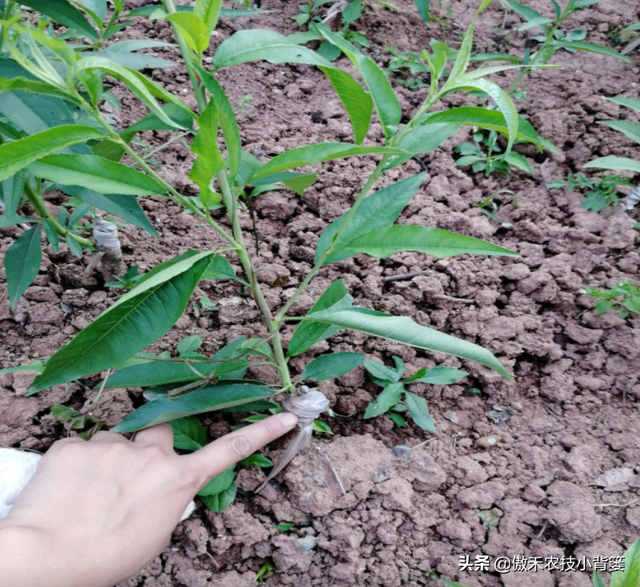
273, 325
40, 208
169, 6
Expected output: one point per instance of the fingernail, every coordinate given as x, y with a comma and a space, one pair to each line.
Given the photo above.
288, 420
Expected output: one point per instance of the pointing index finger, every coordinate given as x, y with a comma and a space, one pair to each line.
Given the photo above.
223, 453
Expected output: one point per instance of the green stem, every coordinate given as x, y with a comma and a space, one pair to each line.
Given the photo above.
41, 210
273, 325
198, 90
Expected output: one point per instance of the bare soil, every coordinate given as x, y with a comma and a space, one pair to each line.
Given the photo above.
570, 414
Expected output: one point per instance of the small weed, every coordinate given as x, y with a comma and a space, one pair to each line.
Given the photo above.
244, 105
600, 193
623, 298
484, 154
490, 518
490, 208
204, 304
128, 281
266, 570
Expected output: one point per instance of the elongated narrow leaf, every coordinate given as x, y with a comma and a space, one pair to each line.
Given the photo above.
626, 127
63, 12
316, 154
18, 154
208, 11
437, 376
22, 263
27, 85
127, 207
193, 30
432, 241
386, 102
539, 21
483, 118
188, 434
178, 116
155, 373
406, 331
388, 398
308, 332
227, 119
614, 163
524, 11
593, 48
422, 139
203, 400
220, 268
423, 9
95, 173
209, 161
11, 193
331, 366
135, 321
357, 102
419, 412
147, 91
629, 102
501, 99
379, 211
258, 44
597, 580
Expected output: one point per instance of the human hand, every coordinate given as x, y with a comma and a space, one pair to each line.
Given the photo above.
96, 513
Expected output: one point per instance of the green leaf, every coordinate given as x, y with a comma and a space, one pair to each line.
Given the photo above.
27, 85
141, 86
136, 320
152, 373
432, 241
406, 331
614, 163
52, 234
220, 501
419, 411
127, 207
316, 154
22, 263
378, 211
178, 116
518, 161
193, 30
37, 366
357, 102
227, 120
256, 460
630, 577
422, 140
18, 154
538, 21
448, 583
308, 332
597, 580
219, 483
423, 9
352, 12
396, 418
331, 366
593, 48
320, 426
524, 11
386, 102
380, 372
285, 527
208, 11
11, 190
388, 398
188, 434
626, 127
189, 344
258, 44
437, 376
483, 118
500, 98
203, 400
219, 268
603, 306
629, 102
205, 146
123, 52
63, 12
95, 173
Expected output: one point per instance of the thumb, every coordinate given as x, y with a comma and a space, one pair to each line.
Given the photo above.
225, 452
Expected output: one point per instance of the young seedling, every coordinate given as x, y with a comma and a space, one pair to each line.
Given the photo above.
395, 399
127, 281
223, 171
600, 193
623, 298
484, 154
540, 49
490, 208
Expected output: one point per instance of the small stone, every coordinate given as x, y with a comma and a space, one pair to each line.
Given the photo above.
403, 451
451, 416
307, 543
